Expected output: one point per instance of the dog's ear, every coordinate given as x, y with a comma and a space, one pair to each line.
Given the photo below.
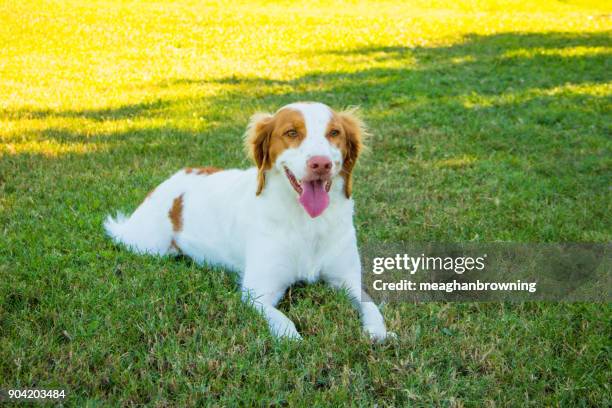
257, 144
355, 133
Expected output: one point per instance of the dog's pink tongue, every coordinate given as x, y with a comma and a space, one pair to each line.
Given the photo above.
314, 198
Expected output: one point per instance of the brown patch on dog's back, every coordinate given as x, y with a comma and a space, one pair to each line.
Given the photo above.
202, 170
207, 170
176, 214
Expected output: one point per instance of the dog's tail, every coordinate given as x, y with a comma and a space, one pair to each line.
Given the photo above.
143, 232
149, 229
116, 227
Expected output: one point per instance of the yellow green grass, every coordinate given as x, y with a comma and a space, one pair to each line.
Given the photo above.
490, 122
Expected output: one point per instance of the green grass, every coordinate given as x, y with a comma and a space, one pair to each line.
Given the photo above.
490, 121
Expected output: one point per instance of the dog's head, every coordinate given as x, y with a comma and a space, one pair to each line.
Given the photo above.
311, 146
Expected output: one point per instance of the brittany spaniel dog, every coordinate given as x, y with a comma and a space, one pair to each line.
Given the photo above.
288, 219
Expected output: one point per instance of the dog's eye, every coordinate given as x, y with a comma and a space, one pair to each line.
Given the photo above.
291, 133
334, 133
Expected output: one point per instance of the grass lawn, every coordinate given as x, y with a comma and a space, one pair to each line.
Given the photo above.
490, 122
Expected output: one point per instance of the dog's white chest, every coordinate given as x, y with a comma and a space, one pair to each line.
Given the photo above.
309, 259
310, 274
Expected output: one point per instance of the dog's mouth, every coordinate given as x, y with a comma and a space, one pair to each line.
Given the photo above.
313, 193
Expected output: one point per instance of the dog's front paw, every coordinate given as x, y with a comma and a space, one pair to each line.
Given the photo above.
379, 334
287, 331
290, 335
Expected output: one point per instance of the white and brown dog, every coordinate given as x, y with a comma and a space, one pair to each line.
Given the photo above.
289, 219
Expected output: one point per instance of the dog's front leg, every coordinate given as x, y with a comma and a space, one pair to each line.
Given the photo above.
344, 272
263, 287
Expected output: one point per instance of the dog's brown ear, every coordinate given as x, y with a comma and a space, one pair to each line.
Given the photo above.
355, 133
257, 144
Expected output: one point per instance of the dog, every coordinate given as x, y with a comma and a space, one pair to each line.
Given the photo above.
288, 219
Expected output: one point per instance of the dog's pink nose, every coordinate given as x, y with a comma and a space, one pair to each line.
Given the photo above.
319, 165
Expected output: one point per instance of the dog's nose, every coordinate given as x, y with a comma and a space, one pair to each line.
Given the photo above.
319, 165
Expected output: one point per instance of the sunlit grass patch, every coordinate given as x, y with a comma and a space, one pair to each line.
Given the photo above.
48, 148
560, 52
595, 93
456, 162
490, 122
